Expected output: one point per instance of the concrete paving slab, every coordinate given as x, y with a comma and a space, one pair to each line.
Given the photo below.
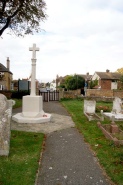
58, 122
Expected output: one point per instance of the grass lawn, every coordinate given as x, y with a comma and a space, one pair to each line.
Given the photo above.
20, 167
18, 103
110, 157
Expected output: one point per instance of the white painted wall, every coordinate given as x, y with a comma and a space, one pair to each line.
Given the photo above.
114, 85
95, 76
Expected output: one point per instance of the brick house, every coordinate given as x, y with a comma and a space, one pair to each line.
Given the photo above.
6, 76
107, 80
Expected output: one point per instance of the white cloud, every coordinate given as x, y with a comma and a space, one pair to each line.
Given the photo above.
80, 36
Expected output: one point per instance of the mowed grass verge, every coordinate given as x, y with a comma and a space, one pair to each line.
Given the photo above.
18, 103
110, 156
21, 166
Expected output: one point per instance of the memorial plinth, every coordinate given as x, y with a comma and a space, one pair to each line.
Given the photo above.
32, 106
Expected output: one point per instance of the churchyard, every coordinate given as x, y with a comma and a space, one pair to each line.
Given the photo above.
21, 165
112, 130
109, 155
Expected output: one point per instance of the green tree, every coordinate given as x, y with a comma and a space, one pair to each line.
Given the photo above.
21, 16
67, 80
93, 83
74, 82
121, 82
47, 84
62, 85
121, 79
120, 70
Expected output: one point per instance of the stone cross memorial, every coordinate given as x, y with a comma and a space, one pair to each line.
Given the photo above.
32, 105
33, 74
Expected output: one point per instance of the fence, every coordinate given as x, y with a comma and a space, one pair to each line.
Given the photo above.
50, 96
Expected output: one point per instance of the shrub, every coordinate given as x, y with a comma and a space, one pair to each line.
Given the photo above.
104, 108
19, 94
8, 94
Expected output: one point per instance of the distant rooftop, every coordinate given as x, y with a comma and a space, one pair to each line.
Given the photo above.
4, 69
108, 75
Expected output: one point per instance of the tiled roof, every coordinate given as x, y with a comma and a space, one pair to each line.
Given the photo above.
108, 75
85, 76
4, 69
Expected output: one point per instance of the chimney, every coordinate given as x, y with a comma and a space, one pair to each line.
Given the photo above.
107, 70
8, 63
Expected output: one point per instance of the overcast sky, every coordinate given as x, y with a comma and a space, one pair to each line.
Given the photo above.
79, 36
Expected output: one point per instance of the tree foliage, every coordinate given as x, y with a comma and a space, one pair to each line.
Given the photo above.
121, 82
22, 16
120, 70
74, 82
67, 80
93, 83
121, 79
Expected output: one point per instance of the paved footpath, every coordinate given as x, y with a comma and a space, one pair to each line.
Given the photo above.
67, 159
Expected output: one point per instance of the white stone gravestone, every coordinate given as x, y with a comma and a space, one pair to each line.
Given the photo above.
32, 105
89, 106
89, 110
117, 103
116, 110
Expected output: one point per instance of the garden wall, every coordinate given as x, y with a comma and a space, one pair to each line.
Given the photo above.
69, 94
104, 93
118, 93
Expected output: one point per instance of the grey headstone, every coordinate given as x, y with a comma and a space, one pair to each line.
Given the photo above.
117, 105
89, 106
5, 117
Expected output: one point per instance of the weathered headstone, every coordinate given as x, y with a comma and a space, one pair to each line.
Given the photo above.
116, 110
5, 117
89, 110
117, 105
89, 106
